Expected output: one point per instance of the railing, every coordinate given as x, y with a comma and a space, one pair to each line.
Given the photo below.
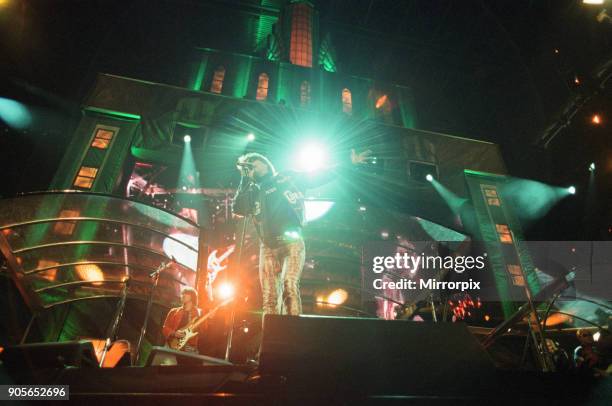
68, 246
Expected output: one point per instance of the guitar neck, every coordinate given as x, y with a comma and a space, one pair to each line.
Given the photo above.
208, 315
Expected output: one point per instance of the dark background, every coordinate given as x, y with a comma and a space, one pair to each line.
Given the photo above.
501, 71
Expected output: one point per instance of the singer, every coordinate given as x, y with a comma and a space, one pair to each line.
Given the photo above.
276, 202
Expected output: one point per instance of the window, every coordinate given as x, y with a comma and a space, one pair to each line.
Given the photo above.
301, 36
86, 177
217, 82
504, 233
102, 138
262, 87
516, 274
347, 101
492, 197
305, 93
383, 107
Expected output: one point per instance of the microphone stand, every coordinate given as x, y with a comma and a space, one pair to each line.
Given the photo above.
155, 277
115, 327
230, 334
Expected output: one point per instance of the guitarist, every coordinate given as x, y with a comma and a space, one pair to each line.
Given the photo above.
180, 317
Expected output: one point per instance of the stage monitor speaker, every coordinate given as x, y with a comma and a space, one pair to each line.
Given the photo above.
379, 353
50, 355
166, 356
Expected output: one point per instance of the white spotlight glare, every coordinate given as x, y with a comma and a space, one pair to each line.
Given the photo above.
571, 190
311, 157
429, 177
593, 2
250, 137
226, 290
187, 138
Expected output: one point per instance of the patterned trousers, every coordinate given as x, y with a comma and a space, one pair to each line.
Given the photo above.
279, 274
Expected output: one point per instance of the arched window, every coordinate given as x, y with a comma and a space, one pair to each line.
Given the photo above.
300, 51
305, 93
262, 87
347, 101
217, 82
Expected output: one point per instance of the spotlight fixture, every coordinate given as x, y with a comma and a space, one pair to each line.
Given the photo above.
429, 177
571, 190
187, 138
250, 137
592, 167
596, 119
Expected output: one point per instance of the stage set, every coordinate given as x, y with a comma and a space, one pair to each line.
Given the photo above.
143, 205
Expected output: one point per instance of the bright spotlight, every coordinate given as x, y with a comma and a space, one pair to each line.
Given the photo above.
592, 167
311, 157
429, 177
225, 290
596, 119
187, 138
571, 190
337, 297
593, 2
250, 137
597, 336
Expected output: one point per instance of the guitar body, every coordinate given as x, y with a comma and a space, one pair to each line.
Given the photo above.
179, 343
191, 330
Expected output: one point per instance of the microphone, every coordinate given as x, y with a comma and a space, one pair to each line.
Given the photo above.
163, 266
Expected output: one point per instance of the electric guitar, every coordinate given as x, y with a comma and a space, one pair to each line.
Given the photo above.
214, 267
190, 330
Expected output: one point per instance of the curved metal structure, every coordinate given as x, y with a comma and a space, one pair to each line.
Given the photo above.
69, 246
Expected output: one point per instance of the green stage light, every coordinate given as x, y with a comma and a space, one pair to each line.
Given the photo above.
187, 138
311, 157
251, 137
592, 167
453, 201
15, 114
571, 190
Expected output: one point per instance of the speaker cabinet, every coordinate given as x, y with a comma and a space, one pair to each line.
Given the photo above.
377, 353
